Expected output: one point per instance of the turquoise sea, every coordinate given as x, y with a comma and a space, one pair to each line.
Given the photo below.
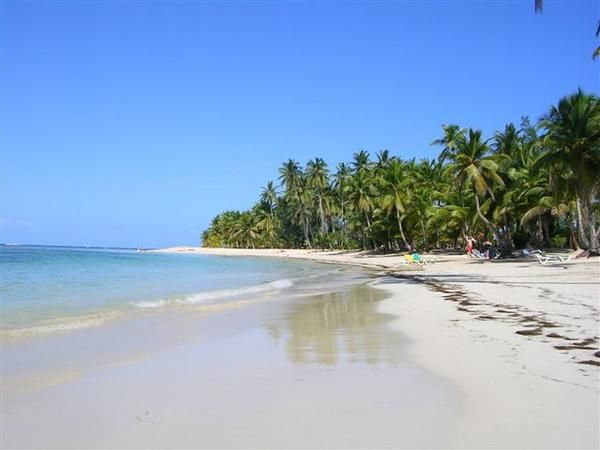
50, 289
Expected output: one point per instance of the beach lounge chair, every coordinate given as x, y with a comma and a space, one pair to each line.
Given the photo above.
546, 259
420, 259
479, 255
531, 253
414, 259
429, 259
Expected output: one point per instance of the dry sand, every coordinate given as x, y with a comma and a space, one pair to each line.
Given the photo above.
519, 339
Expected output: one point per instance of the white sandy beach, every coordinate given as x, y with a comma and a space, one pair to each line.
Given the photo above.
519, 339
458, 354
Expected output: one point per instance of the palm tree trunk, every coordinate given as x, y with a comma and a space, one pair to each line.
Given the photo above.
503, 243
322, 216
305, 227
369, 226
343, 220
402, 230
583, 219
593, 234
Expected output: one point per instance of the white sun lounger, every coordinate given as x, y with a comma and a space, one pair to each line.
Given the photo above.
546, 259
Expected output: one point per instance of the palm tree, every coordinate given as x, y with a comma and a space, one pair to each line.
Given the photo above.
361, 192
317, 178
473, 164
289, 175
266, 225
361, 161
268, 196
395, 185
246, 229
383, 160
453, 136
293, 180
508, 141
572, 152
340, 182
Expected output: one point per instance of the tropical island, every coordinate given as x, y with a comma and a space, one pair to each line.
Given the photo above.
536, 184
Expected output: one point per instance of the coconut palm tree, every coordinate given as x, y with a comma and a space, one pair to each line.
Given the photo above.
246, 229
395, 185
361, 161
268, 197
361, 191
289, 175
507, 142
453, 136
341, 178
572, 152
317, 179
473, 165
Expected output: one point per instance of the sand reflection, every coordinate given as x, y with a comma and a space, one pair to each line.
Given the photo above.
341, 326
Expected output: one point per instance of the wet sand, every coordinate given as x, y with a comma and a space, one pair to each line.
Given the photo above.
310, 370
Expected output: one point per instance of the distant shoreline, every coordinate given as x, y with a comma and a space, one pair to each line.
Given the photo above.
360, 258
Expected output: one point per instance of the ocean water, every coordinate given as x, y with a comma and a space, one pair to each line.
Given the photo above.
53, 289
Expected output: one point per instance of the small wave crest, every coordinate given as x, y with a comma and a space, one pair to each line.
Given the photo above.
209, 296
61, 325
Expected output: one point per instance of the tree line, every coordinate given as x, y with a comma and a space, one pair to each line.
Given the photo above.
536, 183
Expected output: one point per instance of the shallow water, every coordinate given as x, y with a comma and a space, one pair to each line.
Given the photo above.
311, 364
316, 371
49, 289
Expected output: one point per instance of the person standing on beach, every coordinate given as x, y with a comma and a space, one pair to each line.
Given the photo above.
470, 243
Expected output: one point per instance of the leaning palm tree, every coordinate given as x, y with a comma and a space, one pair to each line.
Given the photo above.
572, 152
473, 166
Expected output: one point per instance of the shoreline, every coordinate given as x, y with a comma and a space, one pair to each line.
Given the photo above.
463, 348
320, 367
520, 339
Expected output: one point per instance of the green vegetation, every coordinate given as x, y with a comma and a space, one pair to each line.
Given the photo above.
536, 184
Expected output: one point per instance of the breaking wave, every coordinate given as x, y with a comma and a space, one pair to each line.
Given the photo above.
210, 296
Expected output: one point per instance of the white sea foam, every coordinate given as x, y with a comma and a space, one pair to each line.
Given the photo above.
62, 325
208, 296
205, 299
156, 304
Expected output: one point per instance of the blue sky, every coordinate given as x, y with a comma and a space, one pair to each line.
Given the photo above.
133, 123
